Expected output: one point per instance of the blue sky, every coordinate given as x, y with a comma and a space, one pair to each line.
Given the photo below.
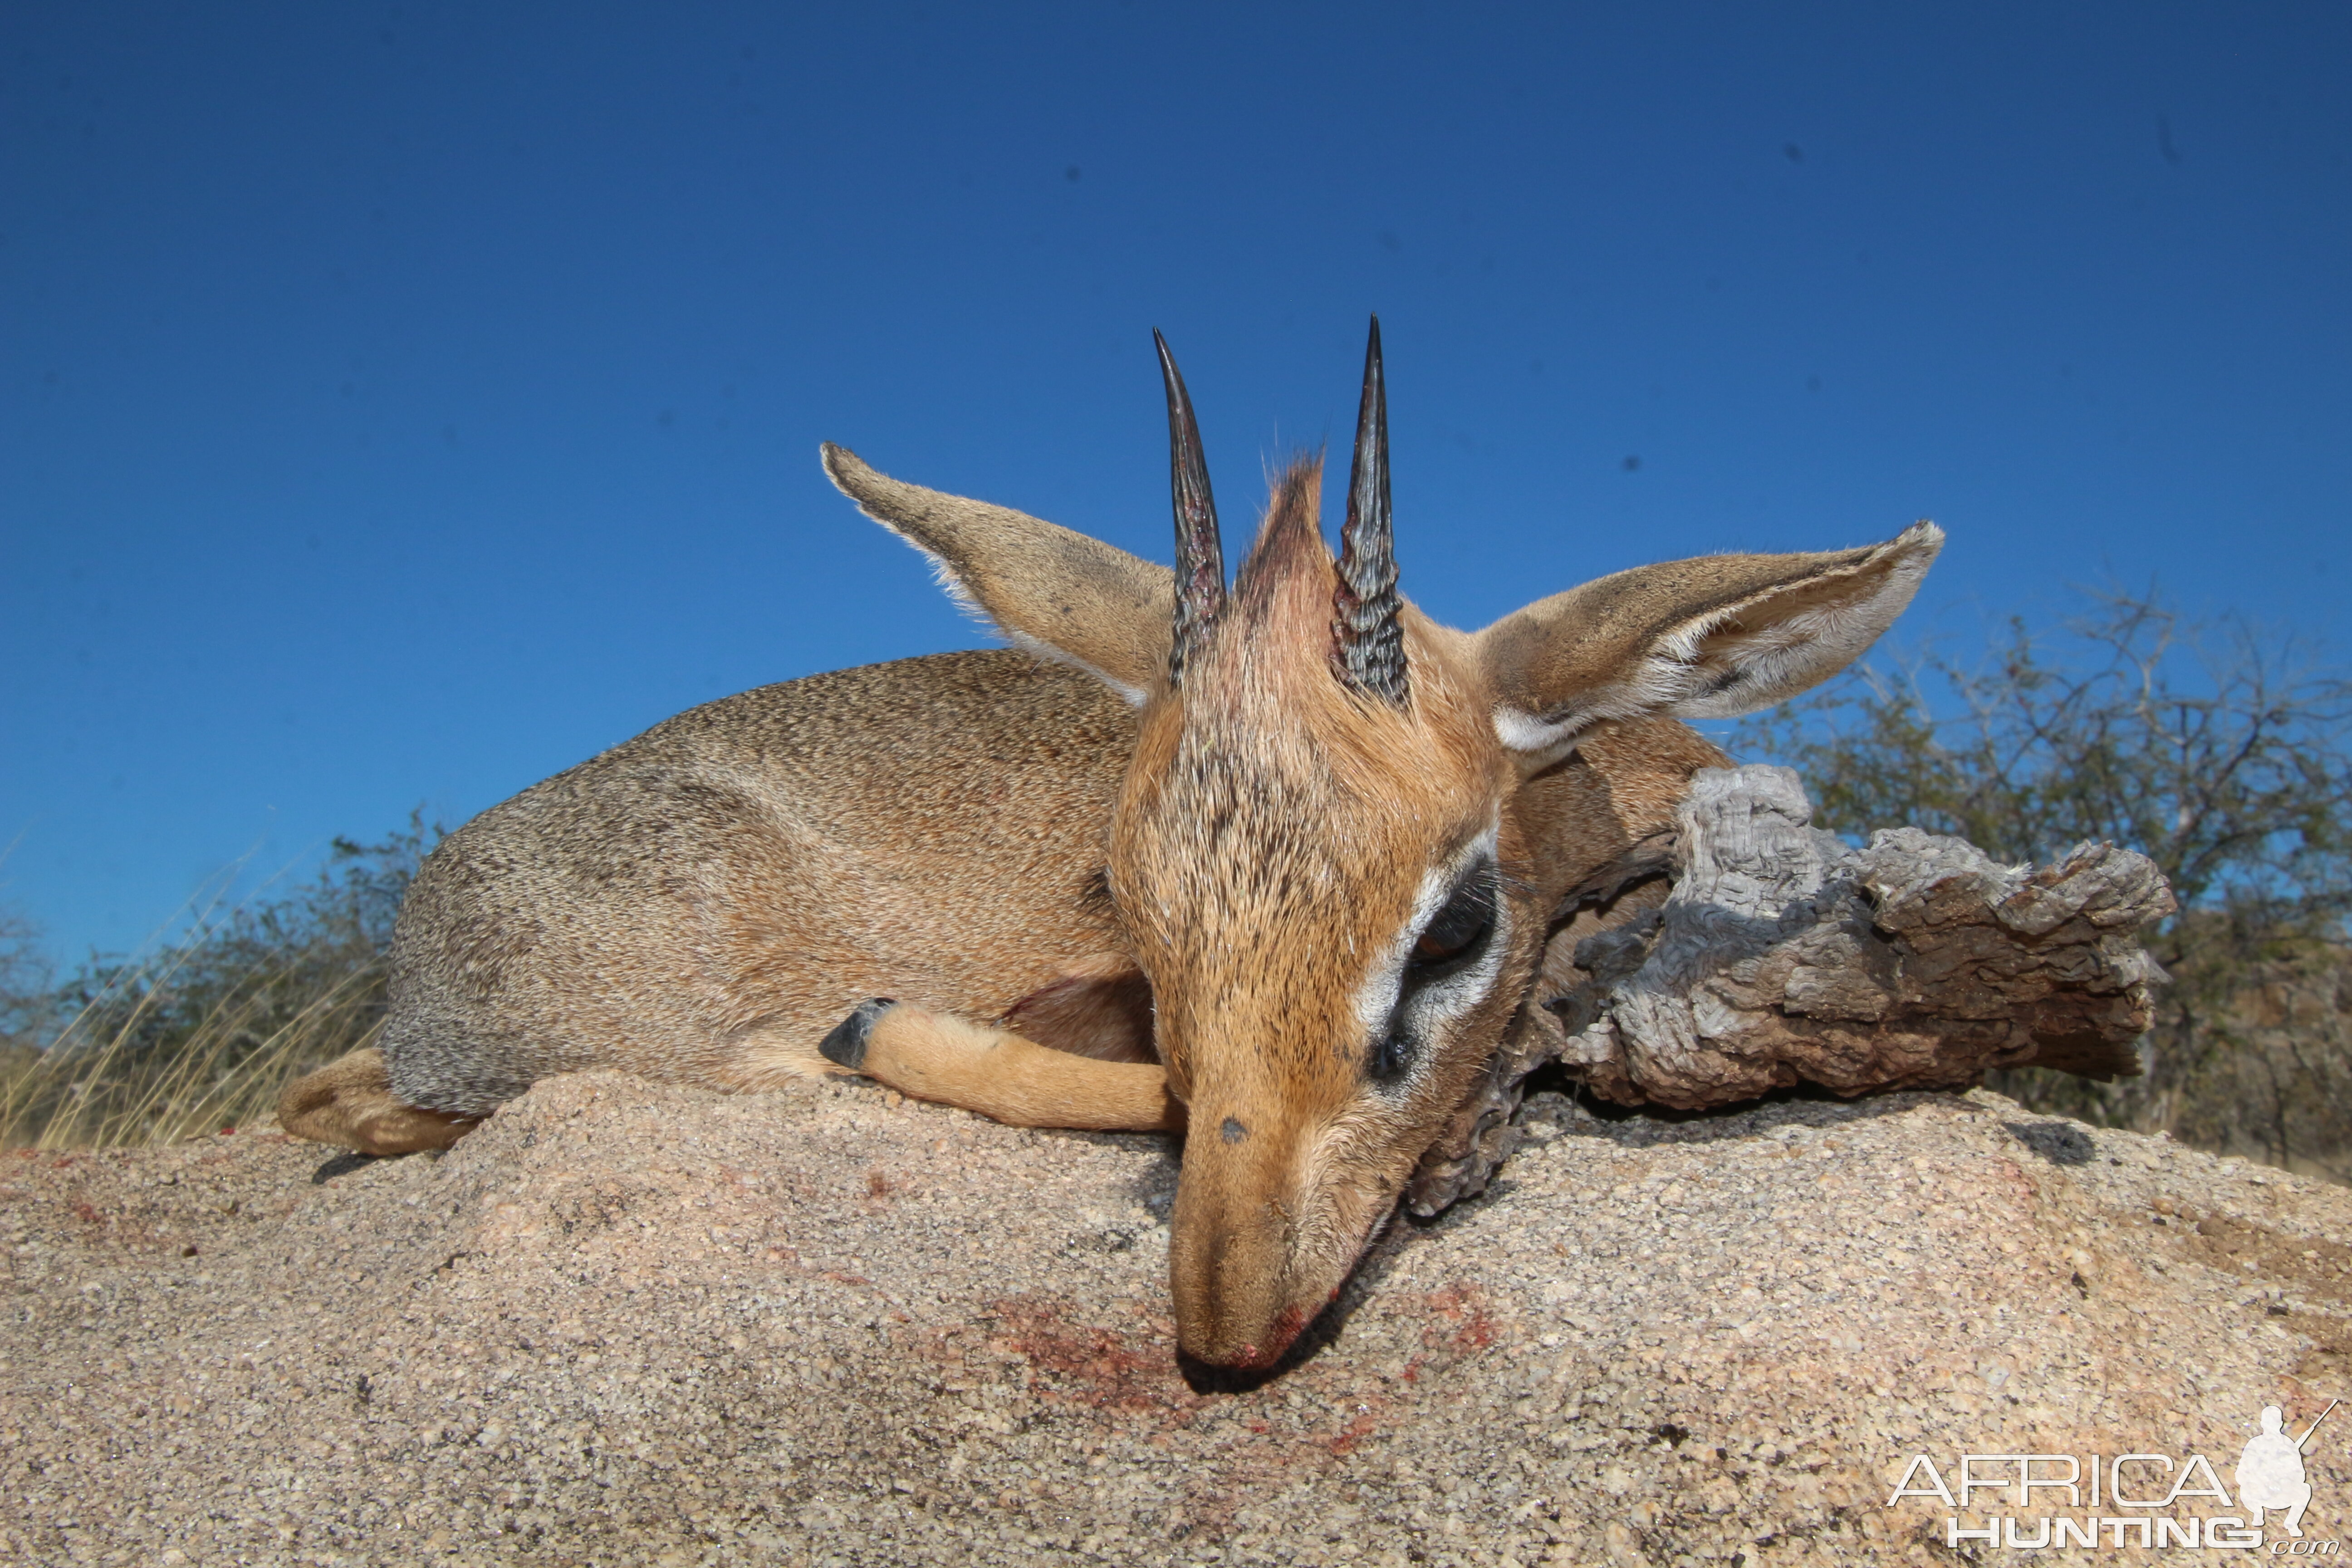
400, 403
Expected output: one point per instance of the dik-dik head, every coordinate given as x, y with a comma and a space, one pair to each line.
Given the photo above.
1315, 855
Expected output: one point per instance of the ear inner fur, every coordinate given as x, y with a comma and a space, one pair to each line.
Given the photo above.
1053, 591
1710, 637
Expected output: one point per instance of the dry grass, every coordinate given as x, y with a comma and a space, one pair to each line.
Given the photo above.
101, 1086
202, 1032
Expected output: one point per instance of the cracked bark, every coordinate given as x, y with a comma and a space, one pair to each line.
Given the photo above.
1747, 952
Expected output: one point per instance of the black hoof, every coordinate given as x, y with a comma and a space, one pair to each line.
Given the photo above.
845, 1047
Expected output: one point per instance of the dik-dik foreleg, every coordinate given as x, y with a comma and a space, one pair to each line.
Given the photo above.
933, 1055
350, 1103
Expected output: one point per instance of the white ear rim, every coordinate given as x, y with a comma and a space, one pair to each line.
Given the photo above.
1133, 696
1787, 658
1799, 653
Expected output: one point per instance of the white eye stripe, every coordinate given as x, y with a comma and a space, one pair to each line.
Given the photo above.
1442, 1001
1377, 997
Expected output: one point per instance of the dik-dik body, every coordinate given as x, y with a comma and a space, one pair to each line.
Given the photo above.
1271, 863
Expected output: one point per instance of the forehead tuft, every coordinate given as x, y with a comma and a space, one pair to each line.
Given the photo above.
1290, 552
1270, 653
1263, 694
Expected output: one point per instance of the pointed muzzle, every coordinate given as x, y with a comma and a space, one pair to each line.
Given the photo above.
1231, 1249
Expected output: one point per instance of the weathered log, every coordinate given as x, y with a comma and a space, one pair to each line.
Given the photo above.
1749, 951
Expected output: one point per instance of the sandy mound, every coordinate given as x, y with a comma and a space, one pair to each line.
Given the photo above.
624, 1324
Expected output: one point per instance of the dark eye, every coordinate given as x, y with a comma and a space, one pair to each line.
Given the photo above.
1449, 942
1459, 928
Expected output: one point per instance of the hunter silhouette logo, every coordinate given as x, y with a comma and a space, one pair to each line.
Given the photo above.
2139, 1500
2270, 1472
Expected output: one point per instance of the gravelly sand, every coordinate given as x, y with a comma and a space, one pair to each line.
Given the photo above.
624, 1323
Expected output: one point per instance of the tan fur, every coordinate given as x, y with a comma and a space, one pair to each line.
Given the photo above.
1706, 638
1058, 594
1256, 979
1101, 1010
350, 1101
1100, 901
935, 1056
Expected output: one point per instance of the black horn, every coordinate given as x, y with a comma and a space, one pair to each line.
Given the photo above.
1200, 554
1367, 637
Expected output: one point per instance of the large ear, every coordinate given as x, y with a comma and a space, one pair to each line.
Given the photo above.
1707, 638
1054, 592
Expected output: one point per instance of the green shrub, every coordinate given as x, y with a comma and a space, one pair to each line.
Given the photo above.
2218, 752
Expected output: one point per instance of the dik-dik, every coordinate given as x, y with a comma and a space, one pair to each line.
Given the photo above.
1270, 864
